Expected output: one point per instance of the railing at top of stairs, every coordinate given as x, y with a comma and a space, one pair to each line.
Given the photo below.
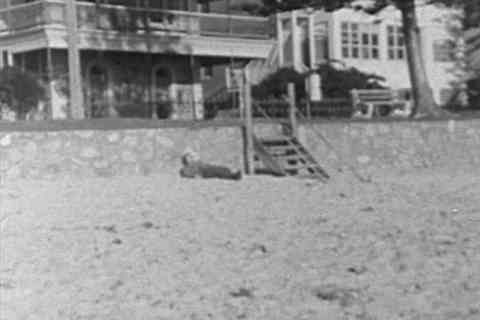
292, 122
293, 113
291, 144
345, 163
260, 69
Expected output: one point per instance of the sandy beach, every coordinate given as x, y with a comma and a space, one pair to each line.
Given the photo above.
161, 247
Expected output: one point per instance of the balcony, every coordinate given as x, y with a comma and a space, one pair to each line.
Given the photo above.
44, 14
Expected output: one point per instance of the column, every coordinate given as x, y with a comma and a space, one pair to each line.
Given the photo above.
197, 90
295, 41
74, 71
280, 40
311, 41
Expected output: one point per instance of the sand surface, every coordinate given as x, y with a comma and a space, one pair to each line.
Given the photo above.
160, 247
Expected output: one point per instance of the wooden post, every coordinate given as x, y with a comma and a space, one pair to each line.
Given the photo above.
292, 109
152, 103
22, 61
9, 15
9, 58
50, 81
249, 152
308, 100
74, 71
241, 97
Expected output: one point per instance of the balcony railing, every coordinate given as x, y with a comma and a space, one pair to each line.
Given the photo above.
91, 17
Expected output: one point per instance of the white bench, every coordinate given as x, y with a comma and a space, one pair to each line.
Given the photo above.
368, 103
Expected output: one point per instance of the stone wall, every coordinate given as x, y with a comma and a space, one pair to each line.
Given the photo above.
402, 146
117, 147
96, 152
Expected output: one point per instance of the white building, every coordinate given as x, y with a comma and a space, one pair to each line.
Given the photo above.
374, 44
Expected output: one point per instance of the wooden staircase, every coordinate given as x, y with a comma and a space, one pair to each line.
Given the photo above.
284, 155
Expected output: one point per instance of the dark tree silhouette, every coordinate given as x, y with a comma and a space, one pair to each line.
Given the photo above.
23, 90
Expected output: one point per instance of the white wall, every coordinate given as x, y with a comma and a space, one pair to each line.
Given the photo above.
435, 24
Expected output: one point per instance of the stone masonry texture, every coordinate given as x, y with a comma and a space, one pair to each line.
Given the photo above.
368, 147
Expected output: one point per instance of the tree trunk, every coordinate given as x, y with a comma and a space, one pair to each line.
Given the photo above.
424, 102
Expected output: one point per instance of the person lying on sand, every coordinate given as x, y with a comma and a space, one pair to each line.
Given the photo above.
194, 168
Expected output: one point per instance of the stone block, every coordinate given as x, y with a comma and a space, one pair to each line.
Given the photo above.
89, 153
106, 172
15, 155
53, 146
363, 159
130, 140
13, 172
101, 164
30, 149
113, 137
165, 142
85, 134
6, 140
128, 156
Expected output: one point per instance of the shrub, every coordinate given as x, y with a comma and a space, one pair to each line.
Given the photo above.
211, 110
474, 92
24, 89
275, 85
164, 109
133, 110
336, 83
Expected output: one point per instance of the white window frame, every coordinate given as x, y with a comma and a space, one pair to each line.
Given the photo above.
360, 41
395, 43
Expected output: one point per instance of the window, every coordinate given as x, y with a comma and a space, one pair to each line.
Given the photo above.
321, 41
395, 43
359, 41
444, 50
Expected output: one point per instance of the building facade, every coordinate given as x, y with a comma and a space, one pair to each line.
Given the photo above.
135, 56
375, 44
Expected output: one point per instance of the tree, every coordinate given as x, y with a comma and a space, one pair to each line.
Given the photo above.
23, 91
424, 103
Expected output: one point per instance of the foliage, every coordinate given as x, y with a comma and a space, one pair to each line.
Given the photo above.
24, 90
164, 109
474, 92
275, 85
336, 83
132, 110
271, 6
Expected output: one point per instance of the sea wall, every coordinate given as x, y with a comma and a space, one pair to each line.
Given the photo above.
109, 149
126, 147
398, 145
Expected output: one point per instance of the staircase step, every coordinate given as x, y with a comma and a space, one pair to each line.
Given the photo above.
288, 166
286, 155
280, 147
289, 157
275, 142
286, 145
